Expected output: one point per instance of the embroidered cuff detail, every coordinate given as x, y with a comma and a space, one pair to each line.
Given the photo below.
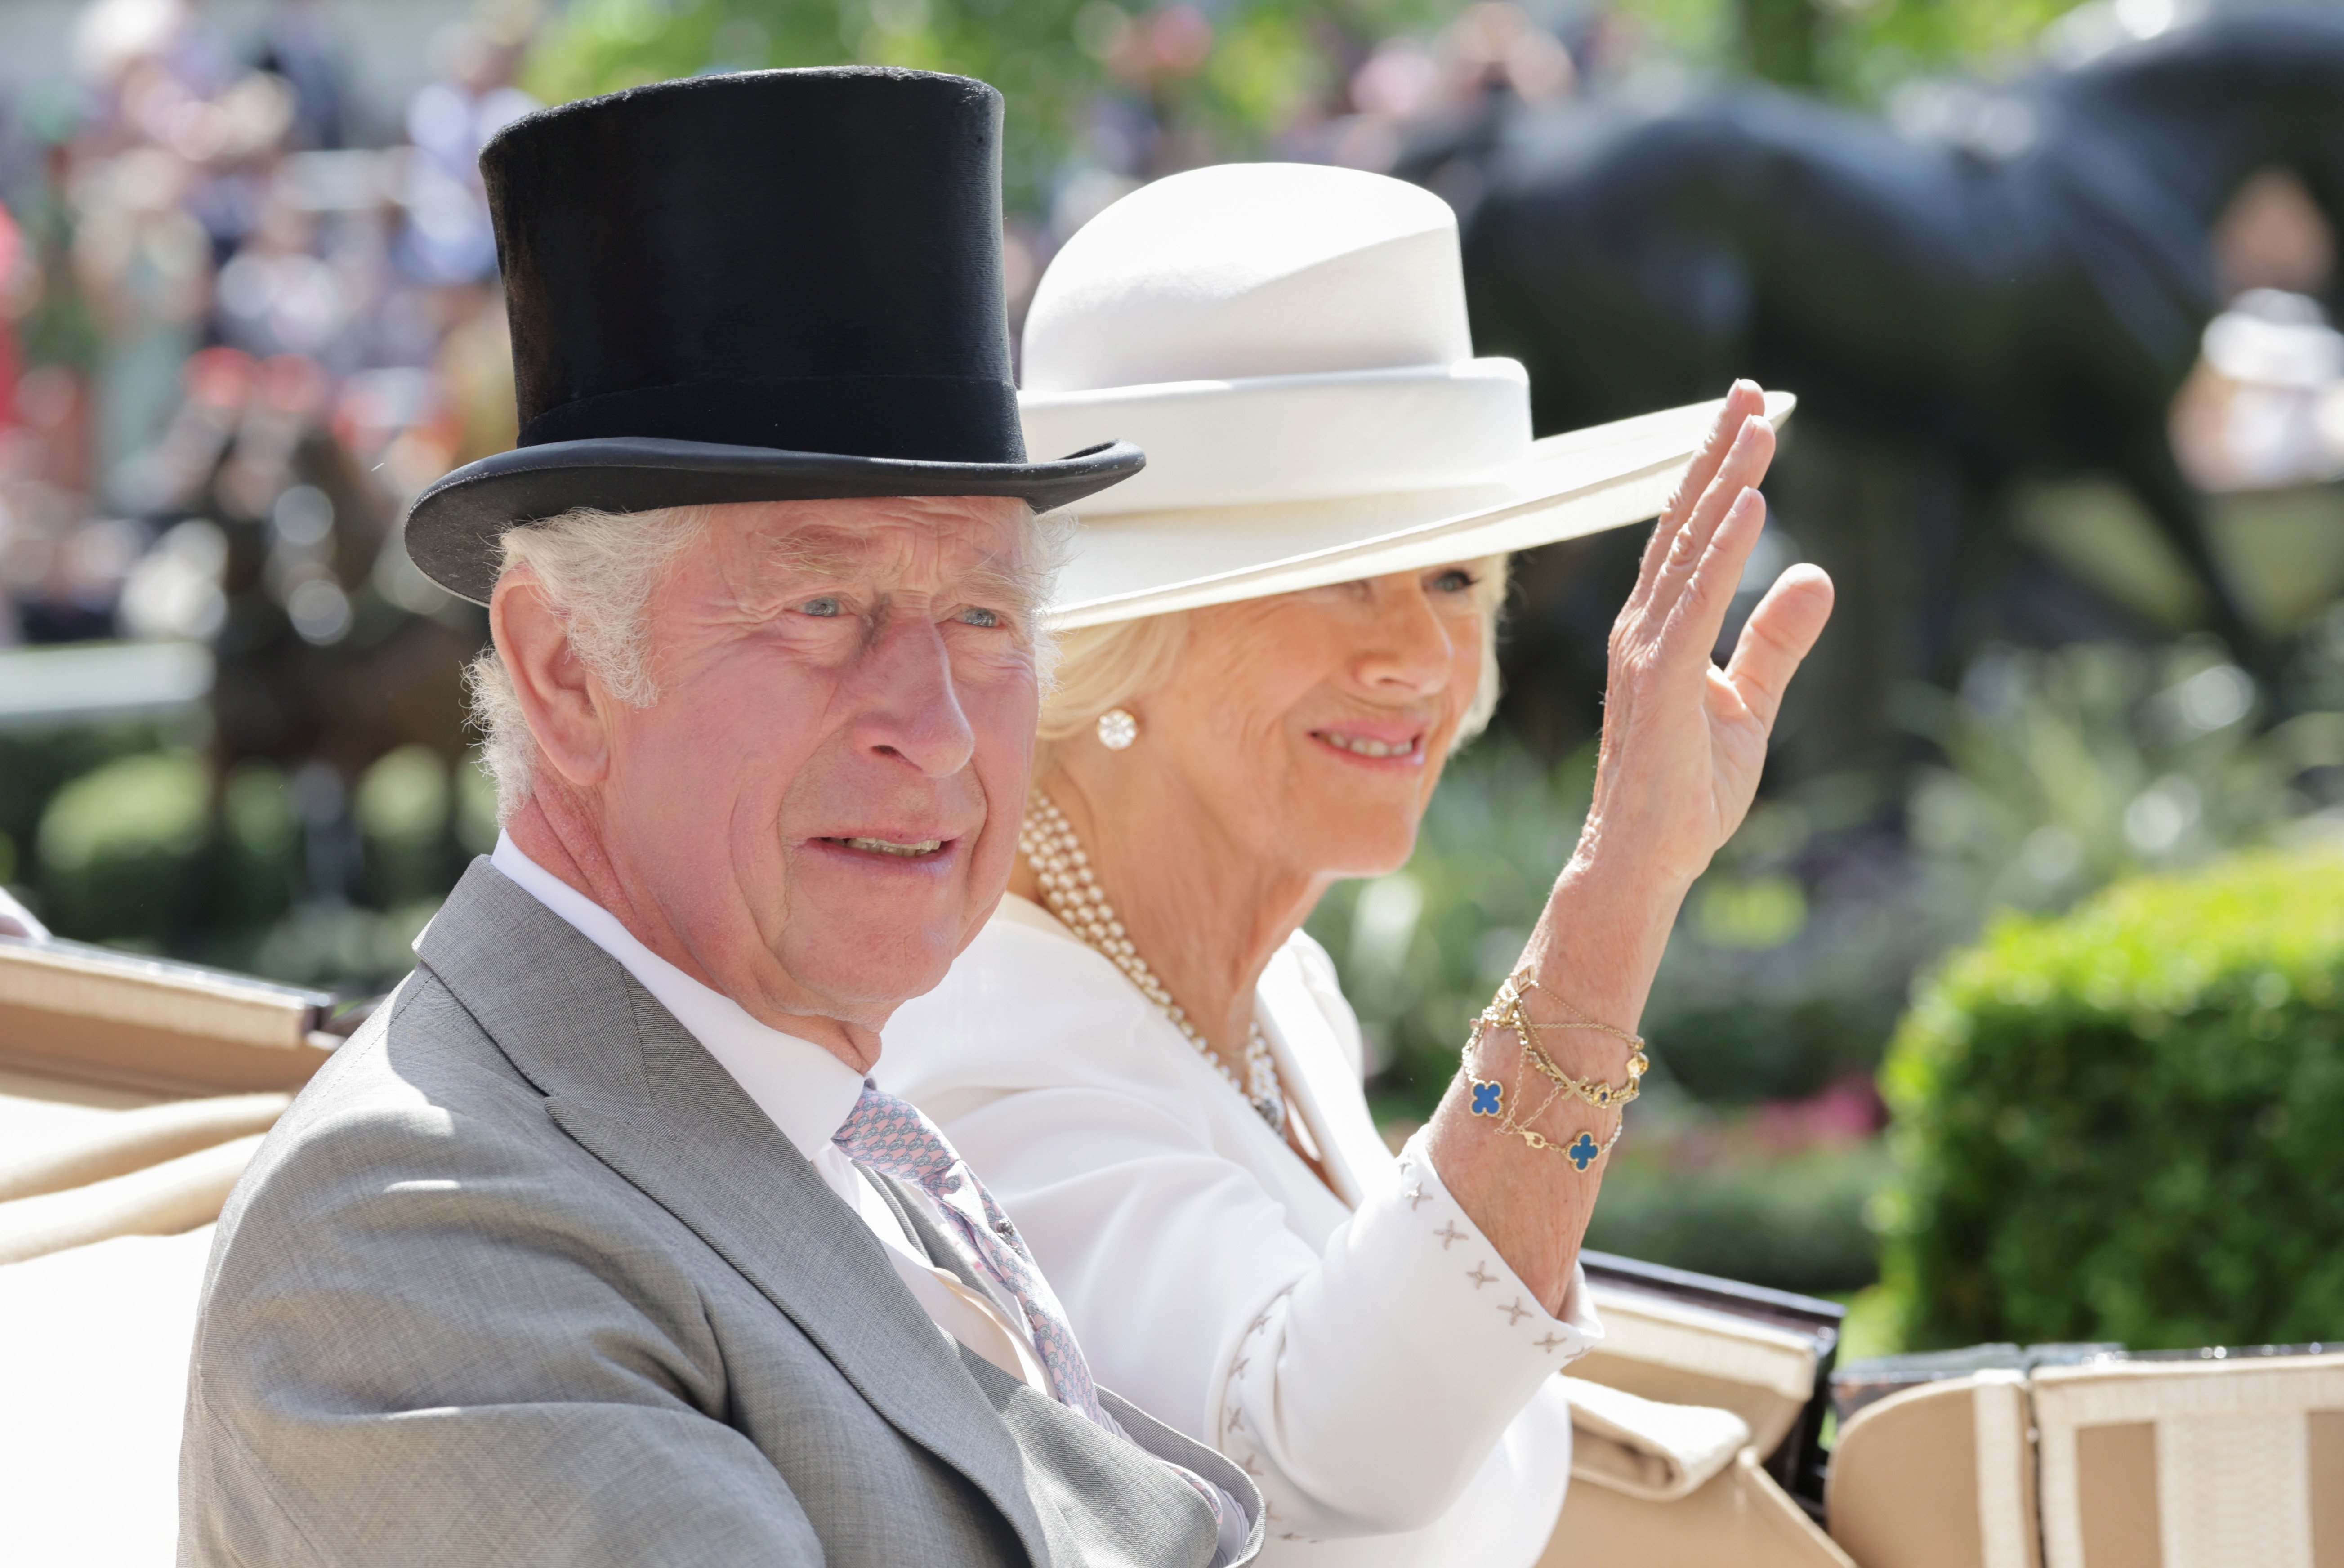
1486, 1293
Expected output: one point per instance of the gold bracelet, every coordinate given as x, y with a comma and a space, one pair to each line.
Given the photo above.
1506, 1013
1490, 1097
1518, 983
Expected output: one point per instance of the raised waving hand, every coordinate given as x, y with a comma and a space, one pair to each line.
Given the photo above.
1683, 741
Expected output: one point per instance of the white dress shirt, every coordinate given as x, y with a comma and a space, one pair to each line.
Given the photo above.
808, 1094
1364, 1353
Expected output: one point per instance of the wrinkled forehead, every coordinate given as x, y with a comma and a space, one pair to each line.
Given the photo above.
913, 544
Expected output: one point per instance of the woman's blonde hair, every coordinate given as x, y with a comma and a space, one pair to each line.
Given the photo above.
1103, 667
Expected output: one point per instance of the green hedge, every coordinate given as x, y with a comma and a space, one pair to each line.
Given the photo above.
1794, 1222
2127, 1123
117, 846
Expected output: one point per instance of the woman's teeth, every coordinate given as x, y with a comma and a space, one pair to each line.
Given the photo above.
1360, 746
887, 846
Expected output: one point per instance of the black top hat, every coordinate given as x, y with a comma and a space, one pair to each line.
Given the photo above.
776, 286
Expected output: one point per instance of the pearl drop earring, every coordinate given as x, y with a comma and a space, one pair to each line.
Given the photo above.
1118, 728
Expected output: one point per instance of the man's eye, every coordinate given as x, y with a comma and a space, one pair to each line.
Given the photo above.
825, 606
977, 615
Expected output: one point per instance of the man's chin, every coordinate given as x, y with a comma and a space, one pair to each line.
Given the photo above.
863, 971
871, 937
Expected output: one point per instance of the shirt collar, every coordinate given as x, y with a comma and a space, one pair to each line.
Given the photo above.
806, 1091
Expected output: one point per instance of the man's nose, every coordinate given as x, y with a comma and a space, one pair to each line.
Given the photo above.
910, 708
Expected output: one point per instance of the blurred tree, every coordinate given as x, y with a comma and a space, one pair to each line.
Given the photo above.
1208, 85
1868, 46
1778, 40
1859, 50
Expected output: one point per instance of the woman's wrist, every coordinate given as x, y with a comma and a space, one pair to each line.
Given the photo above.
1600, 941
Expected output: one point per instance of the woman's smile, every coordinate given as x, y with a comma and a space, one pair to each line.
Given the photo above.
1373, 745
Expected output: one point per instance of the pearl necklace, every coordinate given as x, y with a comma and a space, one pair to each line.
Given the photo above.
1047, 841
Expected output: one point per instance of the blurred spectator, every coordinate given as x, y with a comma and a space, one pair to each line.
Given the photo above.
2265, 407
265, 307
297, 46
449, 240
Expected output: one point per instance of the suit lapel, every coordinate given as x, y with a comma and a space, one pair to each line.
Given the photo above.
639, 1093
1320, 1077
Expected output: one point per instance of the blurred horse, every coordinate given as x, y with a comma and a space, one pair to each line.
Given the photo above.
330, 652
2022, 293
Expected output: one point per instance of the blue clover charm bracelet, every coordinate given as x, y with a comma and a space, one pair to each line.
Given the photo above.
1489, 1095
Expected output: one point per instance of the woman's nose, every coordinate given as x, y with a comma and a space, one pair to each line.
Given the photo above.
1410, 645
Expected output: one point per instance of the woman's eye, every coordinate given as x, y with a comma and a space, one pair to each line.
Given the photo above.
1456, 579
825, 606
977, 615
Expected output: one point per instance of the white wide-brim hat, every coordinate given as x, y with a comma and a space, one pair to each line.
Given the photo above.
1289, 344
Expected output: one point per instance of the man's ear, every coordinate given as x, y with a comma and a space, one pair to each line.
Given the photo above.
567, 709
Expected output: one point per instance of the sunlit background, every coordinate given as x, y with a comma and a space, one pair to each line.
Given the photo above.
248, 307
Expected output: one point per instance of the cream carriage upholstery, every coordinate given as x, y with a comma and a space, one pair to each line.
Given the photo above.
2217, 1460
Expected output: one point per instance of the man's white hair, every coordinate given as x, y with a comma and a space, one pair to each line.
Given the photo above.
598, 571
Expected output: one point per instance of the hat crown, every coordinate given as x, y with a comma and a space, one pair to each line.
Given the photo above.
1338, 270
807, 260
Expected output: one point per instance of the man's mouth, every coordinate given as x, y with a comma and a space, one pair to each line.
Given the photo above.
1369, 745
912, 850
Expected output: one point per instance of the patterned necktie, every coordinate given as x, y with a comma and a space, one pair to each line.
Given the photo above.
890, 1134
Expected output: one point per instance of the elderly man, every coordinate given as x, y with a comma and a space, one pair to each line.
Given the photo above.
595, 1246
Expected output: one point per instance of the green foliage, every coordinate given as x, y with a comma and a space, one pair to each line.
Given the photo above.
476, 809
1227, 82
1856, 50
2066, 770
1796, 1222
1867, 48
402, 805
34, 765
260, 861
132, 850
355, 951
116, 845
2124, 1123
1027, 49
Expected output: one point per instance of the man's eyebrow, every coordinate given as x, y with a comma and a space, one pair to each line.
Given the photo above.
1004, 582
813, 552
1016, 585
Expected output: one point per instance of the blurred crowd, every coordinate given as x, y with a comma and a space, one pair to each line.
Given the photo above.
1385, 97
240, 325
236, 338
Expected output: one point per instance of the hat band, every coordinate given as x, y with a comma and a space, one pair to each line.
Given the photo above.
933, 418
1273, 438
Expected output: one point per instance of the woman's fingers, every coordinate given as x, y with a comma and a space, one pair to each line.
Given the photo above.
1743, 402
1779, 635
1690, 554
1709, 593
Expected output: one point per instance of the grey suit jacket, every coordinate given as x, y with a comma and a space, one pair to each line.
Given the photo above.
524, 1277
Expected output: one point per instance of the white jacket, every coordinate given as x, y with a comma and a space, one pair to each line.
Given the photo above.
1365, 1353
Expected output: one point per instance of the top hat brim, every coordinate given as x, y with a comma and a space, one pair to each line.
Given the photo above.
456, 528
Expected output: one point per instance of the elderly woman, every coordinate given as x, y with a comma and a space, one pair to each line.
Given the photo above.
1272, 647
